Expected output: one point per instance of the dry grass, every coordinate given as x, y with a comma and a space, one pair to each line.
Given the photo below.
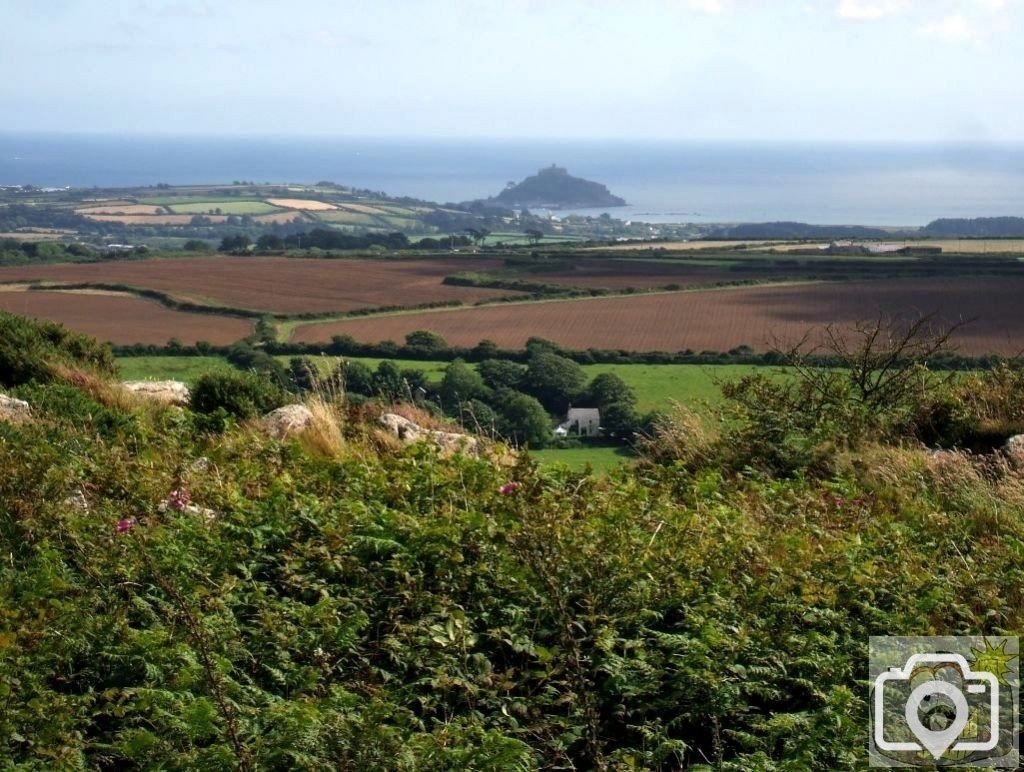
681, 437
32, 236
301, 203
324, 436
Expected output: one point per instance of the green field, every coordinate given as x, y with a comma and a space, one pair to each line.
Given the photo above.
348, 218
162, 368
600, 459
656, 386
197, 197
225, 207
518, 238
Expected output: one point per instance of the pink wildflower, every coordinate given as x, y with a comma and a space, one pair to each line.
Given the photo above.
178, 499
126, 524
509, 487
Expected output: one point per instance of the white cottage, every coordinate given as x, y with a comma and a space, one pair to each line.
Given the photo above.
584, 421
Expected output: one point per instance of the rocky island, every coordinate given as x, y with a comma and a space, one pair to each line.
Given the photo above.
555, 188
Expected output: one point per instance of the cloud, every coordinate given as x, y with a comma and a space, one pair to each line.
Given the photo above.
951, 29
182, 9
869, 9
710, 6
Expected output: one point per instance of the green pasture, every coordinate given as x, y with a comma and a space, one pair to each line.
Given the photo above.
162, 368
199, 198
347, 218
600, 458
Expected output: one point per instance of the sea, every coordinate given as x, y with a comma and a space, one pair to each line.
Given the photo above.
710, 182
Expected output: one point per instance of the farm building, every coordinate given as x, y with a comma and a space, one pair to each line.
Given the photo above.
583, 421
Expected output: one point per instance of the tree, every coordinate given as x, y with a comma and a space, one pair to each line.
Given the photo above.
608, 389
302, 374
479, 235
501, 373
523, 419
426, 341
414, 379
478, 417
196, 245
269, 242
554, 380
486, 349
535, 236
387, 381
235, 244
460, 384
620, 420
357, 378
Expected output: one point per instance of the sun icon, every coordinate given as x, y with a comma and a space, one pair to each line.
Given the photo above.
993, 660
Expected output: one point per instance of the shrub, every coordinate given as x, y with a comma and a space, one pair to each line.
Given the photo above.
242, 395
43, 351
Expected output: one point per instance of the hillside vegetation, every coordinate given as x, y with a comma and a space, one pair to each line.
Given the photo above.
181, 590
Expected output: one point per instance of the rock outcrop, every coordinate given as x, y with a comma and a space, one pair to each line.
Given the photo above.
14, 410
1014, 448
167, 392
288, 421
409, 432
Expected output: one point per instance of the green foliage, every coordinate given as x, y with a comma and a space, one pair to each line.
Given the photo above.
241, 395
460, 383
403, 610
40, 351
426, 341
523, 419
608, 389
501, 373
554, 380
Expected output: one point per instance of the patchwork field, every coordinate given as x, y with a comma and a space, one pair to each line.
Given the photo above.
714, 320
301, 203
277, 284
118, 318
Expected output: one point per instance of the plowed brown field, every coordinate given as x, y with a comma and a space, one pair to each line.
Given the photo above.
278, 284
715, 320
620, 274
123, 318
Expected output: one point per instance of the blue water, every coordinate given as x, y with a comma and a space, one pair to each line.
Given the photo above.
662, 181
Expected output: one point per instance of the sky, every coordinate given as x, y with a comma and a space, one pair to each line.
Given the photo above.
764, 70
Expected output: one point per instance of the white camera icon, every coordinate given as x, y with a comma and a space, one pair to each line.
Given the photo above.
938, 742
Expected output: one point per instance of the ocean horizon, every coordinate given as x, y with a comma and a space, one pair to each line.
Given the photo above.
662, 181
